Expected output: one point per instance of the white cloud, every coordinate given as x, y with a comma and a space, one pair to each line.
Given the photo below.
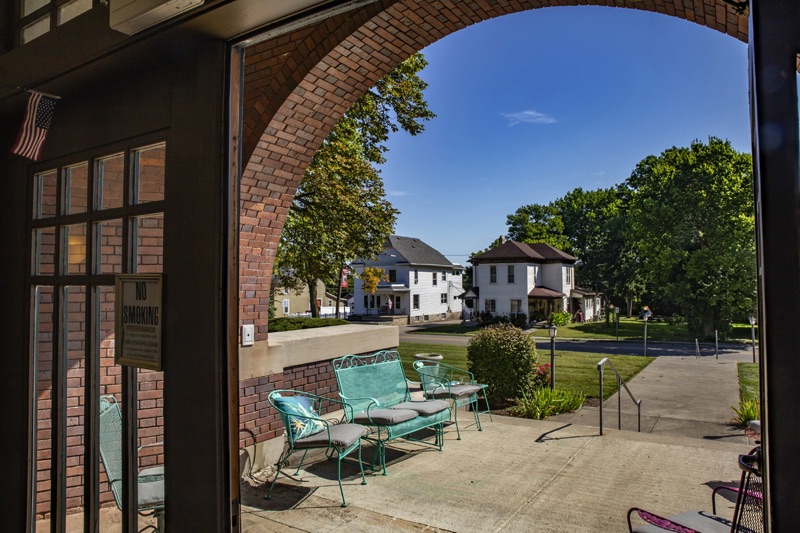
528, 117
398, 193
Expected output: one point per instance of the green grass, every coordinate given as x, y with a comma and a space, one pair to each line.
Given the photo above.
575, 372
629, 329
742, 333
749, 388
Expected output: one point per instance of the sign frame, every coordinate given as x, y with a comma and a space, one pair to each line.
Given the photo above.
138, 319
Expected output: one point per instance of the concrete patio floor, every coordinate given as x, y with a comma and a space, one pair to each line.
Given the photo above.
515, 475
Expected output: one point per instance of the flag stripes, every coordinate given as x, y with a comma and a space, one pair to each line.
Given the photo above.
38, 117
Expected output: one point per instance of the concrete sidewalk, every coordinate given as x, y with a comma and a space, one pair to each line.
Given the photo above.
524, 475
681, 396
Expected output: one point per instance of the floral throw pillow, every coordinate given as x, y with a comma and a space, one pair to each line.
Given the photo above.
299, 426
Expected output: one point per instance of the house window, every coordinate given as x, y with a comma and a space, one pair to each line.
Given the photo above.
511, 273
434, 279
366, 301
416, 302
393, 276
489, 306
492, 274
416, 277
569, 275
516, 306
286, 306
444, 298
444, 276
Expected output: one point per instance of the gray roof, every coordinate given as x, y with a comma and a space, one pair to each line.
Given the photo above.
417, 252
515, 252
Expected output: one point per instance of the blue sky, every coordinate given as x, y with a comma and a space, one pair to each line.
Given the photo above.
532, 105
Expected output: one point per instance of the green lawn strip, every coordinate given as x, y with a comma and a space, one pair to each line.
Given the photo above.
574, 371
748, 381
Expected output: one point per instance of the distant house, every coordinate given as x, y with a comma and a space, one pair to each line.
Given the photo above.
289, 302
534, 279
421, 283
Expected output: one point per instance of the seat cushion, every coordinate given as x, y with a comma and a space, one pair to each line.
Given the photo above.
342, 436
385, 417
151, 493
424, 408
697, 520
454, 391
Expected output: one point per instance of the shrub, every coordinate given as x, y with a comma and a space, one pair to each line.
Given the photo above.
544, 402
503, 357
289, 324
748, 410
561, 318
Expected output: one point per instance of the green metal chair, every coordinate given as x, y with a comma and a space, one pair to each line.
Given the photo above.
305, 430
150, 481
442, 381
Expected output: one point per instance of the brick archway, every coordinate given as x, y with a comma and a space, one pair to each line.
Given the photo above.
299, 84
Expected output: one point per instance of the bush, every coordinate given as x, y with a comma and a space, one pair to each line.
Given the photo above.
289, 324
561, 318
503, 357
748, 410
544, 402
519, 320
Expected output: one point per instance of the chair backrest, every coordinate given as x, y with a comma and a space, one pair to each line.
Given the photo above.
111, 444
748, 516
379, 376
431, 372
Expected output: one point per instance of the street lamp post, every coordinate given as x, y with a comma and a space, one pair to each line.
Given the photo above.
616, 314
646, 316
552, 330
752, 321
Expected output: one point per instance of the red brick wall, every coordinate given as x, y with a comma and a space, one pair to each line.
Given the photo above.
258, 421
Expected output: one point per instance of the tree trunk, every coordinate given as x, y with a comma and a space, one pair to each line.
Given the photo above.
630, 307
339, 291
312, 298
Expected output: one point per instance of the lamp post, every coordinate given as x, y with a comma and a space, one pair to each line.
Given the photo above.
616, 314
552, 330
646, 316
752, 321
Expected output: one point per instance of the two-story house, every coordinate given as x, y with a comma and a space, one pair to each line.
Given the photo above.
534, 279
420, 283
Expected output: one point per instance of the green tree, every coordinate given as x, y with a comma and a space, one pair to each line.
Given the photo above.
691, 216
538, 223
340, 211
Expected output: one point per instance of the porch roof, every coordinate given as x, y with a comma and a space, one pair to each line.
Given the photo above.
545, 293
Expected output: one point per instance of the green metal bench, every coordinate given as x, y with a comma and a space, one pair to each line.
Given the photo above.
150, 481
439, 381
375, 387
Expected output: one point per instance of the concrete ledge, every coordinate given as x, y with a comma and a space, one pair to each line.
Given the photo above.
289, 348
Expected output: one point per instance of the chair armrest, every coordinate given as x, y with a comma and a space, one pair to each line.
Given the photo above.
658, 521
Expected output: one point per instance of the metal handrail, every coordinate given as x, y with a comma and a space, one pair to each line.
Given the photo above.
620, 384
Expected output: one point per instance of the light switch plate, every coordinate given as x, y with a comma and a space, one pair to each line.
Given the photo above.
248, 334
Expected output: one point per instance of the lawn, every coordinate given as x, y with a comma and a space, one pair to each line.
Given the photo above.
574, 371
748, 381
629, 329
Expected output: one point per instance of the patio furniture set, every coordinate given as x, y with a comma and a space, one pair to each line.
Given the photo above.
375, 406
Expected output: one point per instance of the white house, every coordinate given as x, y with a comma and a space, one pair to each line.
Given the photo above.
421, 284
534, 279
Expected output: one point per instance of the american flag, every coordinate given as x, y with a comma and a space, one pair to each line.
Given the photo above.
34, 128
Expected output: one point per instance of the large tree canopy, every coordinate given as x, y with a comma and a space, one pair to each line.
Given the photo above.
340, 211
691, 216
